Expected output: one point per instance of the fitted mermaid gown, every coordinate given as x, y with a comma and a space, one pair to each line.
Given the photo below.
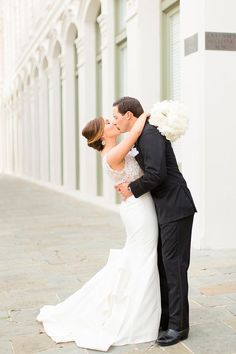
121, 303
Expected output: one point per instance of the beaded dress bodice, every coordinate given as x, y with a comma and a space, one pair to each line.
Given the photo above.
129, 173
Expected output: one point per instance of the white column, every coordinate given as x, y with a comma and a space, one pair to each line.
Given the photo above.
193, 92
11, 140
9, 137
209, 92
15, 136
143, 51
20, 131
1, 138
30, 128
56, 82
27, 132
108, 88
12, 160
24, 130
3, 135
77, 117
87, 106
35, 128
60, 111
17, 124
133, 53
69, 143
143, 28
44, 124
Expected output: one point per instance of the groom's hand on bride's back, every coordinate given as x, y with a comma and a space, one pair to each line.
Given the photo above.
123, 190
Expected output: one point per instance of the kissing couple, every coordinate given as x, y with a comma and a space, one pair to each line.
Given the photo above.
141, 294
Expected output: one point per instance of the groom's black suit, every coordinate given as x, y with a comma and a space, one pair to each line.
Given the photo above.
175, 209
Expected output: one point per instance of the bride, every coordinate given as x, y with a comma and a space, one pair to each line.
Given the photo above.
121, 303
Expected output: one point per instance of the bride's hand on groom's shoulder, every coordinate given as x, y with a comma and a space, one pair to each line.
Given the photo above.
138, 126
123, 190
145, 115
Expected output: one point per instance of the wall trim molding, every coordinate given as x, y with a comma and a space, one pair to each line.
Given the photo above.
167, 4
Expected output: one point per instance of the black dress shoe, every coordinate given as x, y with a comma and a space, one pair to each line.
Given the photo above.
171, 336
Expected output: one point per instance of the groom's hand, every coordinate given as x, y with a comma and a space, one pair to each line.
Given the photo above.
123, 190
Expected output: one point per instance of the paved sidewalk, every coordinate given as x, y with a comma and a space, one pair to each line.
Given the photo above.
51, 244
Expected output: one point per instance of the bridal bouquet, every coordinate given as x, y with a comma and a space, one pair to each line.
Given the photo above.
170, 118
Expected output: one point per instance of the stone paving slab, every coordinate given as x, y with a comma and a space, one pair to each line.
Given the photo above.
212, 338
51, 244
212, 301
232, 296
232, 309
27, 344
63, 350
231, 322
6, 347
217, 289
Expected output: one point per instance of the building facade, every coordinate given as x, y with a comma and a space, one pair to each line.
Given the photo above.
63, 63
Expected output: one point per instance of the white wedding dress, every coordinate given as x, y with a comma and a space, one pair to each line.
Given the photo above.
121, 303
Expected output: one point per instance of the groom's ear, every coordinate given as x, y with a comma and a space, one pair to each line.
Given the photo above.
128, 115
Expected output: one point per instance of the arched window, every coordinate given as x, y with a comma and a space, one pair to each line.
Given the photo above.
171, 52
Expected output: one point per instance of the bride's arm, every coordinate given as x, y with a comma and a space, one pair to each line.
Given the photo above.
117, 154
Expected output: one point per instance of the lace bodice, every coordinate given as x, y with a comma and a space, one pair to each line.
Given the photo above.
129, 173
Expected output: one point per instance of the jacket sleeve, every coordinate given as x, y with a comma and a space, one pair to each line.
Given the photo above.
152, 148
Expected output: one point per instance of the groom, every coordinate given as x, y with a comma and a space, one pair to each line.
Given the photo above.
175, 210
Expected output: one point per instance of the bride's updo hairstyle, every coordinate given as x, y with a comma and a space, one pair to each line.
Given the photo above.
93, 132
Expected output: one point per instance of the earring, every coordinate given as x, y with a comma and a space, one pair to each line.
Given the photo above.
103, 142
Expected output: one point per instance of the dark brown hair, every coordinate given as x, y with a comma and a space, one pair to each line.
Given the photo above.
93, 131
131, 104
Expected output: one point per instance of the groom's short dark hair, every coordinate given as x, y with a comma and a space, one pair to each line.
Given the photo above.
125, 104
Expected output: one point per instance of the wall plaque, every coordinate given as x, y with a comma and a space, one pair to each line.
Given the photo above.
220, 41
191, 44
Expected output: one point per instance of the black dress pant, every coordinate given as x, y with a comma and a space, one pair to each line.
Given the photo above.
173, 262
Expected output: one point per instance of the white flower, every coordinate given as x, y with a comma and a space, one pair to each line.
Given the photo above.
134, 152
170, 118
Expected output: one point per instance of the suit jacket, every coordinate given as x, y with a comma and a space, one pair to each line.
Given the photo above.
172, 198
